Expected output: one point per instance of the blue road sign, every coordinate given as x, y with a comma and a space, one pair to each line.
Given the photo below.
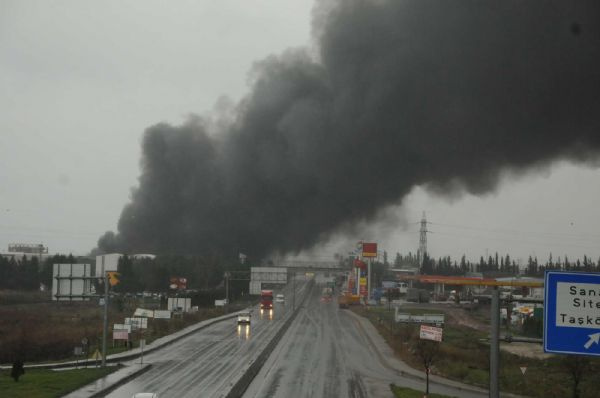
572, 313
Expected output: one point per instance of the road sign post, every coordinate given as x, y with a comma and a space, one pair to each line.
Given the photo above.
495, 344
227, 275
572, 313
105, 320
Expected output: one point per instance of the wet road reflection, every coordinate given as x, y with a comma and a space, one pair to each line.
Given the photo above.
243, 332
266, 314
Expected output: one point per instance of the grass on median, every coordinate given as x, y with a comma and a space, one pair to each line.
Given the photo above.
46, 383
404, 392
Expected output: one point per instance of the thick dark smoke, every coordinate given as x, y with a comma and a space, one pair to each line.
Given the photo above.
402, 93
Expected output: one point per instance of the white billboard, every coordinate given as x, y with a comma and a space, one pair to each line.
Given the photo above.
162, 314
179, 304
220, 303
141, 312
122, 326
437, 319
71, 282
266, 275
107, 262
137, 323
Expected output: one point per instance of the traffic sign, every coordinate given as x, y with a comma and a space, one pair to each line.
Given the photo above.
430, 333
97, 355
572, 313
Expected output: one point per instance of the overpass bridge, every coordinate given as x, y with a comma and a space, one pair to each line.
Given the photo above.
311, 266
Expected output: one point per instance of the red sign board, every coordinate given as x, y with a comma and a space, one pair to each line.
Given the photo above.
351, 283
430, 333
359, 264
369, 249
120, 335
178, 283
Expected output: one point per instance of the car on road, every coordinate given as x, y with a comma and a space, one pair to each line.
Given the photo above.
280, 298
145, 395
243, 318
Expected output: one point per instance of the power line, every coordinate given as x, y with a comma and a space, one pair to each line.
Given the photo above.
520, 241
513, 231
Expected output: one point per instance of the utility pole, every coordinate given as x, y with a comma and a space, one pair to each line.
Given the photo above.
495, 344
227, 275
105, 323
422, 240
369, 279
294, 291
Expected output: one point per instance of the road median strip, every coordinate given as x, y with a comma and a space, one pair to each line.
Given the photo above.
240, 387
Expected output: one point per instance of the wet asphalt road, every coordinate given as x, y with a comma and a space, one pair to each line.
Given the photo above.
207, 363
326, 352
329, 352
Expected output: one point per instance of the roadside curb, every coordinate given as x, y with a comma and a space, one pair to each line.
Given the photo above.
116, 358
415, 373
122, 381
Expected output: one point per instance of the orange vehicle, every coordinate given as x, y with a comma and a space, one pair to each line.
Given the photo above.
348, 299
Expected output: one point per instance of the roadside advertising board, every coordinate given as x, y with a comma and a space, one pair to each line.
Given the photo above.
178, 283
120, 335
179, 304
437, 319
369, 249
141, 312
430, 333
137, 323
572, 313
122, 326
363, 287
162, 314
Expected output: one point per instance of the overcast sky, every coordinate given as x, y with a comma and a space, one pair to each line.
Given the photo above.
80, 81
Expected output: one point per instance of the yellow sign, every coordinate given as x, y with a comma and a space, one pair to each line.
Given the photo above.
113, 277
363, 281
97, 355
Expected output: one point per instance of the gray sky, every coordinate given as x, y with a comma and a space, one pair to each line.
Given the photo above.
80, 81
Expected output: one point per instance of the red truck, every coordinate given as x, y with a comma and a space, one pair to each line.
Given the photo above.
266, 299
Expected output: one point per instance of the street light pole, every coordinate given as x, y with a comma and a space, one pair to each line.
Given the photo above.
369, 280
227, 292
105, 322
294, 291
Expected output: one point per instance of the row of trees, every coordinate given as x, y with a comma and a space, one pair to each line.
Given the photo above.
493, 264
145, 274
201, 272
27, 273
206, 272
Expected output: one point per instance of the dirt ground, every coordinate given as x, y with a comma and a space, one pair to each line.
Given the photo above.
460, 316
527, 350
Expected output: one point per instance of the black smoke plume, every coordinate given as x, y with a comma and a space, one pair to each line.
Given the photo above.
400, 93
